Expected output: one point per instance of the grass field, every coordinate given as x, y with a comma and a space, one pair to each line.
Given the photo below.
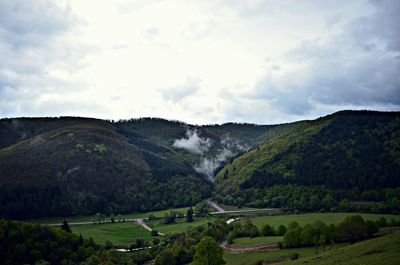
274, 256
256, 242
328, 218
180, 226
120, 234
55, 220
383, 251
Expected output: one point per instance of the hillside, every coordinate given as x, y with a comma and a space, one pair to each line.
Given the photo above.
69, 166
383, 250
342, 151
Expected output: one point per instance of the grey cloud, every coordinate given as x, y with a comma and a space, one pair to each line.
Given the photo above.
29, 49
357, 68
26, 23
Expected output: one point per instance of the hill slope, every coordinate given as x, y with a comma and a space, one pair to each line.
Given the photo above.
383, 250
345, 150
68, 166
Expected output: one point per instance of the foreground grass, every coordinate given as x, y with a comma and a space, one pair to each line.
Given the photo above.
257, 241
55, 220
309, 218
273, 256
383, 251
120, 234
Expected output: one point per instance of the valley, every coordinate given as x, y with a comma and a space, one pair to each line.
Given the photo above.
264, 194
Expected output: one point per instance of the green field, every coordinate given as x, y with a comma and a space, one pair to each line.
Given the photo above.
55, 220
308, 218
383, 251
256, 242
273, 256
180, 226
120, 234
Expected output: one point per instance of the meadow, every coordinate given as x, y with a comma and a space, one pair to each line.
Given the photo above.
179, 226
89, 218
309, 218
382, 250
256, 241
120, 234
274, 256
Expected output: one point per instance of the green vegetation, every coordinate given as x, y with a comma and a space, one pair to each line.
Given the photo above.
22, 243
180, 225
208, 252
273, 256
343, 152
74, 166
309, 218
119, 234
121, 217
383, 250
256, 241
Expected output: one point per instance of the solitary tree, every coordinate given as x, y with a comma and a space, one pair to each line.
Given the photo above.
65, 226
189, 215
208, 253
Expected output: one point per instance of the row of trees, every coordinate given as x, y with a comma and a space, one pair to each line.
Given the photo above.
352, 229
317, 198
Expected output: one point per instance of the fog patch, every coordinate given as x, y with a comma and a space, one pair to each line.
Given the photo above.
194, 143
230, 148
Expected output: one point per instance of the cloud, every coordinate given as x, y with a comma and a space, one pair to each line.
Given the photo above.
198, 61
355, 68
193, 143
178, 93
229, 148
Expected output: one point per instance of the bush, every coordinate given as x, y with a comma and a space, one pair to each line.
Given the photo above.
294, 255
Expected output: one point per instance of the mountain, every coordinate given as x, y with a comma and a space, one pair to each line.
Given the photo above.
348, 150
69, 166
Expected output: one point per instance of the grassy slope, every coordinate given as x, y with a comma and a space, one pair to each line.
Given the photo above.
383, 251
271, 257
256, 242
302, 219
120, 234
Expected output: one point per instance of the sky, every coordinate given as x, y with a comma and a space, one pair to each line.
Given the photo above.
204, 61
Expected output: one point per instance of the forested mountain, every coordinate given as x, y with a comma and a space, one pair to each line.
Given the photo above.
348, 150
69, 166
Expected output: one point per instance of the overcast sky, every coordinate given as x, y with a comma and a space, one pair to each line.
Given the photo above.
204, 61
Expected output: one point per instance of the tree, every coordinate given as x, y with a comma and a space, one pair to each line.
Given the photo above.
65, 226
112, 218
208, 253
281, 230
165, 257
267, 230
189, 215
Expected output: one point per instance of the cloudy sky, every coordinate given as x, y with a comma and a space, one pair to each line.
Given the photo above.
203, 61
